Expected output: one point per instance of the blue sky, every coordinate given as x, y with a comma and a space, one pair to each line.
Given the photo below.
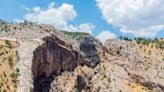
87, 11
96, 12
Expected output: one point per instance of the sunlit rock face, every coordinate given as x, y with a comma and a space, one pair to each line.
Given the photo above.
55, 56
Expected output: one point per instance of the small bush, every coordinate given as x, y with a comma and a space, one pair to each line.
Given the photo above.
8, 43
161, 44
10, 61
15, 74
17, 70
127, 39
17, 54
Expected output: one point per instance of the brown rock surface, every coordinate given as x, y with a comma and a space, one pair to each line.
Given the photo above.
54, 62
55, 56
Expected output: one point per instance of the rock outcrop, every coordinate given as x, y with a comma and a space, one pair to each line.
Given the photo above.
51, 61
46, 53
55, 56
125, 69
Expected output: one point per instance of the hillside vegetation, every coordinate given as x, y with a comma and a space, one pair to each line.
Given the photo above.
75, 34
8, 72
158, 42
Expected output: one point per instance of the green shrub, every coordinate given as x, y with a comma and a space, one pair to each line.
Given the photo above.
144, 41
28, 23
10, 61
120, 37
3, 22
17, 54
8, 43
3, 26
161, 44
126, 38
15, 74
74, 34
17, 70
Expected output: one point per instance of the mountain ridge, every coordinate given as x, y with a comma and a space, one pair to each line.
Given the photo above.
49, 57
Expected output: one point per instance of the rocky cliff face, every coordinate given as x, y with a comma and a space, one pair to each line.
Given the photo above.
51, 61
125, 69
55, 56
45, 53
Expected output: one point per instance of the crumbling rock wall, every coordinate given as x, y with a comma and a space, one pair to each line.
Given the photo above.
55, 56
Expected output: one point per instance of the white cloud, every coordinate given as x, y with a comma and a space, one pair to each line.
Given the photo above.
84, 27
137, 17
58, 17
105, 35
54, 16
36, 9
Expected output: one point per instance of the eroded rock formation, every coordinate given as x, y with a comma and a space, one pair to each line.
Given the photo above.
52, 62
55, 56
